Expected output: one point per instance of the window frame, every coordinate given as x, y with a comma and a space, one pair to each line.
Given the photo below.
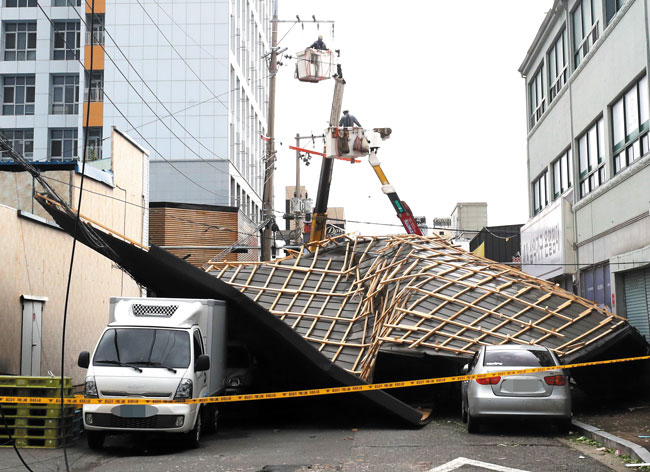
10, 135
18, 4
30, 32
564, 163
94, 85
587, 39
558, 79
28, 107
595, 173
74, 132
66, 53
635, 143
66, 107
617, 5
537, 106
94, 141
540, 192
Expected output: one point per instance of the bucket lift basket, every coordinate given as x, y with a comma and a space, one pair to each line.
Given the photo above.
314, 65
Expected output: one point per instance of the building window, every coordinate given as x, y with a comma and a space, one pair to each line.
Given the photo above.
20, 3
591, 147
67, 3
585, 28
63, 143
595, 285
22, 140
20, 41
540, 193
558, 69
96, 86
96, 36
94, 144
611, 8
562, 174
537, 98
18, 93
630, 125
65, 94
67, 40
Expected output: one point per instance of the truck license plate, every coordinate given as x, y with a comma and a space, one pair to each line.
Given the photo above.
134, 411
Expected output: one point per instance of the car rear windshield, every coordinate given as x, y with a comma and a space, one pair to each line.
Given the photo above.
518, 358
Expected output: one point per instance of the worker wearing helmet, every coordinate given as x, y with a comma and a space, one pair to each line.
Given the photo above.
315, 59
319, 44
348, 120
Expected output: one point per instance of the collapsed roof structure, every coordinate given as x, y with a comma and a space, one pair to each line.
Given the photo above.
323, 318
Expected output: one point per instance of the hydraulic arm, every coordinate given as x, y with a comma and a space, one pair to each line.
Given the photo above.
403, 211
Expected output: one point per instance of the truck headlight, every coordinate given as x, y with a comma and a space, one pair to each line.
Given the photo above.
90, 388
184, 389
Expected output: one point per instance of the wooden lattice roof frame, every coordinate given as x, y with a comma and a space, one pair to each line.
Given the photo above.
353, 296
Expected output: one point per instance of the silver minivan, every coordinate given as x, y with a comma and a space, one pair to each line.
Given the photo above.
544, 395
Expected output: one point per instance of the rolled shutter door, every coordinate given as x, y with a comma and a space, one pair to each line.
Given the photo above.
637, 294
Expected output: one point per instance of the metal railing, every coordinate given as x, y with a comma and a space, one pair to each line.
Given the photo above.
98, 37
96, 95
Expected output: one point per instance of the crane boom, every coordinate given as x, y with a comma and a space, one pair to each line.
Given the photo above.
403, 210
319, 218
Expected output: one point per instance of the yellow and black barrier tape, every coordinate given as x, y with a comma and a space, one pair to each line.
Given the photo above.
80, 400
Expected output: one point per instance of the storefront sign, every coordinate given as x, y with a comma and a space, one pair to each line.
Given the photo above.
542, 243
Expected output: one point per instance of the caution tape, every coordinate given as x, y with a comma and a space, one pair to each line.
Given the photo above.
80, 400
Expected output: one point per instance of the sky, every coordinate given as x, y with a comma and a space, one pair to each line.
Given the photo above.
444, 76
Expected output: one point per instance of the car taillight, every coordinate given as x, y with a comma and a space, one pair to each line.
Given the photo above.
558, 380
489, 380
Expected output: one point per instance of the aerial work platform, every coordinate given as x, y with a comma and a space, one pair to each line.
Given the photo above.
314, 65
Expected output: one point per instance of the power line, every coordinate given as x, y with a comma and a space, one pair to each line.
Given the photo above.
186, 220
169, 113
122, 114
145, 83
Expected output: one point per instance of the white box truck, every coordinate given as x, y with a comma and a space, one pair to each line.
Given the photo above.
158, 348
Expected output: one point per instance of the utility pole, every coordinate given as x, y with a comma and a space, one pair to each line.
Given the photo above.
267, 195
298, 194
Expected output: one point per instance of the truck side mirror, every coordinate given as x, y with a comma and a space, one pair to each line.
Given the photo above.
84, 359
202, 363
465, 368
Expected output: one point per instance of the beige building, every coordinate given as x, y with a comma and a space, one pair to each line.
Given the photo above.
35, 256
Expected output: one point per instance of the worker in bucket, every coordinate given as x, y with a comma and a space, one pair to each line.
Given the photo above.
315, 58
319, 44
348, 120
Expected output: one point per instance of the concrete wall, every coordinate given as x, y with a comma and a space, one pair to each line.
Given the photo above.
35, 258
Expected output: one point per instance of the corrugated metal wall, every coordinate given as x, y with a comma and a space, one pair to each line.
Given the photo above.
201, 231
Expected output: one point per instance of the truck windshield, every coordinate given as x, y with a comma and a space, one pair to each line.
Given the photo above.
128, 346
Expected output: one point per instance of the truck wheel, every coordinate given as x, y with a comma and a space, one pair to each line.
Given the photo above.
194, 437
96, 439
210, 419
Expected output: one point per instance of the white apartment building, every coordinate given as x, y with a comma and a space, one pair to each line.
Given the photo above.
588, 153
187, 79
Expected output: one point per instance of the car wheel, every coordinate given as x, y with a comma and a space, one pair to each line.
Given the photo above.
564, 425
473, 424
463, 411
194, 437
96, 439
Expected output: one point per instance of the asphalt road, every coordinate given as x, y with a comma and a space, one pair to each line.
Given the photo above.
301, 446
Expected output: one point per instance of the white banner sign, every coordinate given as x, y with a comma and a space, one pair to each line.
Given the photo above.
542, 244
